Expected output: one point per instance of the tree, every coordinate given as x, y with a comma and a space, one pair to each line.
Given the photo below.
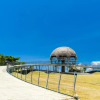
9, 59
2, 59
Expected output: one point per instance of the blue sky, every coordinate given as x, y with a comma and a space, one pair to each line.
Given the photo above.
32, 29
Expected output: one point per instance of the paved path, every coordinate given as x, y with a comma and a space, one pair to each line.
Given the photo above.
12, 88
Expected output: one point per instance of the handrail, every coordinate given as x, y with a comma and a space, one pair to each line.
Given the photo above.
19, 68
57, 65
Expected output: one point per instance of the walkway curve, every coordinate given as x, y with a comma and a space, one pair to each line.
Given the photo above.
12, 88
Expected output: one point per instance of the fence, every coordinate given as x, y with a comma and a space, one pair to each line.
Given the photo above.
45, 76
49, 76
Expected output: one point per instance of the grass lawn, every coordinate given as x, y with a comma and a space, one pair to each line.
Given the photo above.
87, 86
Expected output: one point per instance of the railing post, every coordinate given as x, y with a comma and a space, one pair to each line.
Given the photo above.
47, 78
17, 73
59, 80
75, 76
20, 72
39, 75
25, 73
14, 71
8, 67
11, 70
31, 73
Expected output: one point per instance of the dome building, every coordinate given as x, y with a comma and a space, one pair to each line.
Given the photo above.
63, 55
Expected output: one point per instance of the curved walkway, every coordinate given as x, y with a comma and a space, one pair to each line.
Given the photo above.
12, 88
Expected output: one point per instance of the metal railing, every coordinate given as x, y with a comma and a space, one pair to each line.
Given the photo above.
50, 77
46, 76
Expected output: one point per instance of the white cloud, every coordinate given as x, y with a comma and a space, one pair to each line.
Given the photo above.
95, 63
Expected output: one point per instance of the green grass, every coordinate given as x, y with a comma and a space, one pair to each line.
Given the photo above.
87, 86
